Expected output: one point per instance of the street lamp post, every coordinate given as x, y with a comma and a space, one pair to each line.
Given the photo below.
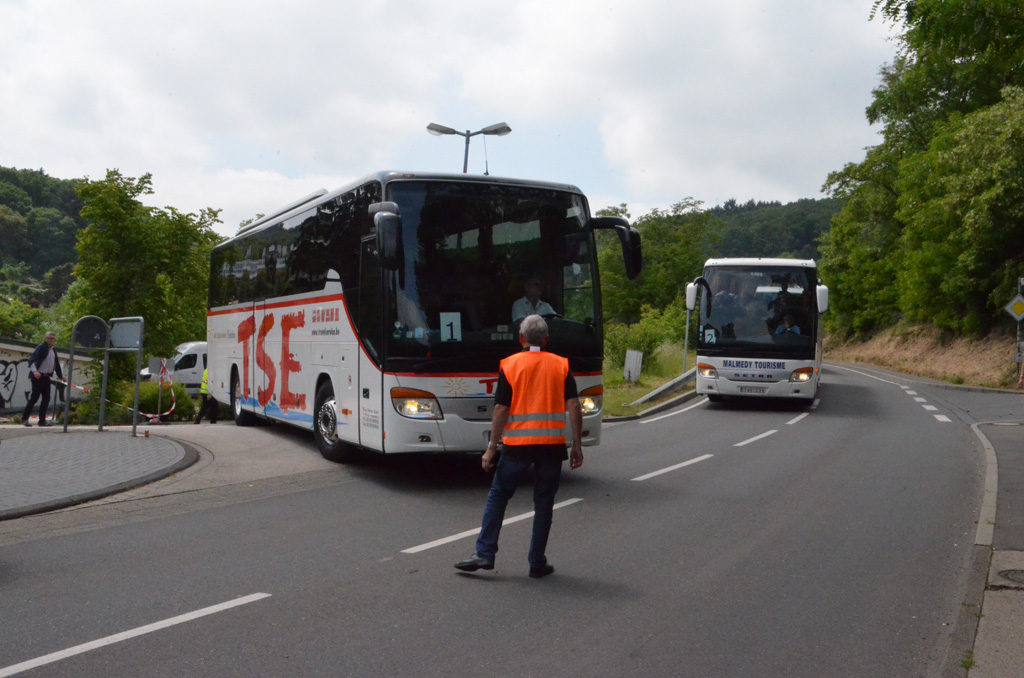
499, 129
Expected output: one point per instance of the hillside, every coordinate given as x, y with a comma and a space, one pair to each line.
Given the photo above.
922, 351
771, 229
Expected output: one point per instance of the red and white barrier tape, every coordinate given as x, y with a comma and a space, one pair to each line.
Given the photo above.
174, 400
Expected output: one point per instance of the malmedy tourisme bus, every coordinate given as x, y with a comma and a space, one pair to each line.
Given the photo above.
759, 328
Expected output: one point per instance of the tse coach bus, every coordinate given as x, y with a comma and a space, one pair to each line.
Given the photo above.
759, 328
376, 315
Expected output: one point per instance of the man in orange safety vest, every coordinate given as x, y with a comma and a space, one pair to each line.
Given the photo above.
535, 391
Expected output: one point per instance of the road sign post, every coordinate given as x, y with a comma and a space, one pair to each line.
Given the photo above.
1016, 309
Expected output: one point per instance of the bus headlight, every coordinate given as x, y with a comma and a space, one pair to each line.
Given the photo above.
415, 404
707, 371
592, 400
801, 375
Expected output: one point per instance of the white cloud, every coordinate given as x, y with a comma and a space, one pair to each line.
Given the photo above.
247, 106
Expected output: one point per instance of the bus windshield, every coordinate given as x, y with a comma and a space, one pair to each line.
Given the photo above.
758, 311
480, 257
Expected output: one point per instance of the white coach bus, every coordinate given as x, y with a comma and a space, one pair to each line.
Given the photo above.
376, 315
759, 328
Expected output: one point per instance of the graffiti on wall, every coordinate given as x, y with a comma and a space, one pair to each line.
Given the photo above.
16, 386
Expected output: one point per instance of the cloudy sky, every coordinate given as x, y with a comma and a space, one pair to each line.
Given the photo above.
246, 106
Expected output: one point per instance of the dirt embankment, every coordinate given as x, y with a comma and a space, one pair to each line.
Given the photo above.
925, 352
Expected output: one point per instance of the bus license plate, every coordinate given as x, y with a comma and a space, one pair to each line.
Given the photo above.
754, 390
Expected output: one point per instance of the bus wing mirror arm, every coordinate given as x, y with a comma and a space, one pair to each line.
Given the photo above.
629, 238
389, 240
691, 293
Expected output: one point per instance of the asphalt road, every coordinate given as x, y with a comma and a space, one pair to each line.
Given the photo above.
724, 539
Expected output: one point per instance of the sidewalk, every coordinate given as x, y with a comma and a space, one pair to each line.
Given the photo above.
44, 469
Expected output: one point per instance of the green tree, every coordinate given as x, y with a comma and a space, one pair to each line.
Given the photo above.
771, 229
859, 253
962, 201
49, 240
20, 321
675, 245
136, 260
955, 57
56, 283
13, 233
15, 197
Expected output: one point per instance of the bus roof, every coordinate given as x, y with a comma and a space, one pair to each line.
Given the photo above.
757, 261
386, 177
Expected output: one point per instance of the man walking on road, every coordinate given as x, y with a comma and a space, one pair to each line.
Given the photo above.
41, 366
535, 390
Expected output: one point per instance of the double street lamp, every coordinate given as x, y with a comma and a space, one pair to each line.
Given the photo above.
500, 129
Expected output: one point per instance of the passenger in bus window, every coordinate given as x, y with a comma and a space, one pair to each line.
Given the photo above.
750, 320
530, 303
788, 325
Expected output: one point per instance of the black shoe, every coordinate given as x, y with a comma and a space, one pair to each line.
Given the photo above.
474, 563
543, 571
43, 422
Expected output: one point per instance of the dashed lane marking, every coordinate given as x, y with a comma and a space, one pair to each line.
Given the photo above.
672, 468
756, 438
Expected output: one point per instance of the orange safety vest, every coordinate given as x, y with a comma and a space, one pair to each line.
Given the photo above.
537, 413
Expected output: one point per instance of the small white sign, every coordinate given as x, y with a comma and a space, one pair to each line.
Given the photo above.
451, 326
634, 361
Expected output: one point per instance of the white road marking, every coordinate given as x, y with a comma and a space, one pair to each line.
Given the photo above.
702, 401
796, 419
907, 389
476, 531
756, 438
920, 400
930, 408
673, 468
127, 635
870, 376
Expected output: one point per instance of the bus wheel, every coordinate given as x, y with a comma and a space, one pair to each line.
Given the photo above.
325, 426
714, 398
242, 417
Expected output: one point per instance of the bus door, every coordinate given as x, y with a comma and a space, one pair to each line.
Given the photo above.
370, 329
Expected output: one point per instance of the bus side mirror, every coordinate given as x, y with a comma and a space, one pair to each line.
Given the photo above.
629, 238
389, 240
691, 296
822, 291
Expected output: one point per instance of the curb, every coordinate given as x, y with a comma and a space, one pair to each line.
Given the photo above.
189, 457
667, 405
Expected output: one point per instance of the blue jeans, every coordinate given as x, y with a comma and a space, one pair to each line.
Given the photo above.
510, 472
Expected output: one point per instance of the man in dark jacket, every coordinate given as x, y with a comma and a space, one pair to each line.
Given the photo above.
41, 366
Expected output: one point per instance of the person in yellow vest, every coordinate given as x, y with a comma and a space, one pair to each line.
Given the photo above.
209, 404
535, 391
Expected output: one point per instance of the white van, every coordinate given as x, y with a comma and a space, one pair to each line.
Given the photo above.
186, 367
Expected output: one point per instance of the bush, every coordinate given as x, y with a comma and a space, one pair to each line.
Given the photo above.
644, 336
120, 397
